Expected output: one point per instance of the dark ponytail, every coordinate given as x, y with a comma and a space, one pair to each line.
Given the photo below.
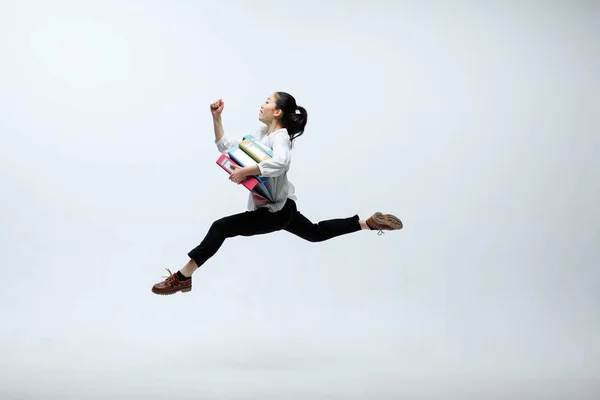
294, 117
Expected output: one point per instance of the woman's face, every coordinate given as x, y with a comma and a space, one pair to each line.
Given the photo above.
268, 110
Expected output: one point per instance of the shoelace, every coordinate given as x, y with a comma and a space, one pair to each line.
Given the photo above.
378, 233
170, 274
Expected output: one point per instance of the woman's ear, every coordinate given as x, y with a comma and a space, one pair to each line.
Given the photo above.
277, 113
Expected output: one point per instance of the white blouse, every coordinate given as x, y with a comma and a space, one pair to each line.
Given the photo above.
277, 166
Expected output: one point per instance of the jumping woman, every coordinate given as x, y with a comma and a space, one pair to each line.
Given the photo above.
283, 122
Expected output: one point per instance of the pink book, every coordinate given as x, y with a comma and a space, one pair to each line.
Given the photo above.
249, 183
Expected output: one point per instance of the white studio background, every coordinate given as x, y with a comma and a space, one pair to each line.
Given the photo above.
476, 123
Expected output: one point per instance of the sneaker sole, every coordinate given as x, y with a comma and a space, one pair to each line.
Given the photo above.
387, 220
170, 293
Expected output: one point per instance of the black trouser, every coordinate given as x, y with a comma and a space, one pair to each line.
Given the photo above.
263, 221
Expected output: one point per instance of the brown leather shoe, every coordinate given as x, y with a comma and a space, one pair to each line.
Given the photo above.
172, 285
384, 222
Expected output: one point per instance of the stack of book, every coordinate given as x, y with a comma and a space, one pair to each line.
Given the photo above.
248, 153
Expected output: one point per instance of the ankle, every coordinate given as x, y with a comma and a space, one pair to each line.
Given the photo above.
181, 276
364, 226
188, 269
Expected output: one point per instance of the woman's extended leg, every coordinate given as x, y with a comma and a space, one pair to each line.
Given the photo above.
327, 229
247, 223
324, 230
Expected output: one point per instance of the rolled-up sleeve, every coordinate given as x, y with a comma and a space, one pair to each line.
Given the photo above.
280, 161
227, 143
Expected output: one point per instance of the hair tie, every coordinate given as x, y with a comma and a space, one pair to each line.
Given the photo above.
297, 110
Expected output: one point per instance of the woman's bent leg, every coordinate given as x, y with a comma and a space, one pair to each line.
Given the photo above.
248, 223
